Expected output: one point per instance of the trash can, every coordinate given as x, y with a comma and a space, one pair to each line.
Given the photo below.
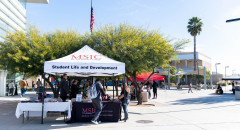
145, 96
237, 95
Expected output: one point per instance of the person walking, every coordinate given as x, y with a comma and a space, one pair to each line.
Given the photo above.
190, 88
23, 86
11, 86
97, 102
154, 86
64, 88
125, 99
33, 86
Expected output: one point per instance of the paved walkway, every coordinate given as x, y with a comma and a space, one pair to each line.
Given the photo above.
173, 110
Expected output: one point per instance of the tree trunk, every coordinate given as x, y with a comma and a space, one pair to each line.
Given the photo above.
194, 37
116, 87
139, 96
55, 91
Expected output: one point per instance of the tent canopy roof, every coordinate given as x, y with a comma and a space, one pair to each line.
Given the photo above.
144, 76
85, 62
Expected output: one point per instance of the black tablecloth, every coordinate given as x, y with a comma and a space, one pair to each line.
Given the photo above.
84, 112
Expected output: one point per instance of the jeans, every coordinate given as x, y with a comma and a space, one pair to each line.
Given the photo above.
23, 91
124, 105
97, 104
33, 88
149, 95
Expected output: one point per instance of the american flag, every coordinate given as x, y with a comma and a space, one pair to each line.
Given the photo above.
92, 19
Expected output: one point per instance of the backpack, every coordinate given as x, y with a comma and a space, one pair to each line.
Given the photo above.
92, 91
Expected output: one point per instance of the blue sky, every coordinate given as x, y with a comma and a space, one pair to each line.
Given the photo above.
219, 40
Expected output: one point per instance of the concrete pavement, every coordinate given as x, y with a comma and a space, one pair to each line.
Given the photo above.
173, 110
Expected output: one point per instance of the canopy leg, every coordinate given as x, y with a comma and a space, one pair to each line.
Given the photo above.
43, 97
113, 85
124, 78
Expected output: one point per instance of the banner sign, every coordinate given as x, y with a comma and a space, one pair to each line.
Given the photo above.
85, 62
84, 112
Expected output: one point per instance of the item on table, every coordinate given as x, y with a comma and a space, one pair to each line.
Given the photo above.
50, 100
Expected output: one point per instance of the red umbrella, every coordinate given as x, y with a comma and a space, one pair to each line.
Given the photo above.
144, 76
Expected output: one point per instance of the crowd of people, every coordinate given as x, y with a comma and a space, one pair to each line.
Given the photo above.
149, 87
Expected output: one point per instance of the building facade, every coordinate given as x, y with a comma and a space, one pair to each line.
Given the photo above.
185, 61
13, 18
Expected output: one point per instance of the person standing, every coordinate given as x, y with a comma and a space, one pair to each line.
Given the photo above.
154, 86
23, 86
149, 85
233, 87
125, 102
97, 102
39, 83
85, 87
11, 86
74, 89
190, 88
33, 86
64, 88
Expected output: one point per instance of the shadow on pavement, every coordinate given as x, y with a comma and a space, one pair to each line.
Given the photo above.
206, 100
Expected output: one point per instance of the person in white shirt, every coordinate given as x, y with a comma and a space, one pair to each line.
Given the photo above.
11, 86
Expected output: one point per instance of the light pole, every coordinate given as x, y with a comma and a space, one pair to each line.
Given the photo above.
198, 71
216, 71
225, 77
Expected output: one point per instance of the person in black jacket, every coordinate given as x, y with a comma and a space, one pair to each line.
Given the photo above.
154, 86
74, 89
64, 88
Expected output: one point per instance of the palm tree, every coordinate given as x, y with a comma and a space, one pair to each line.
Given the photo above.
194, 28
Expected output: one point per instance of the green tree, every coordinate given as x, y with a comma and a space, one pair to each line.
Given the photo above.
27, 52
141, 50
194, 28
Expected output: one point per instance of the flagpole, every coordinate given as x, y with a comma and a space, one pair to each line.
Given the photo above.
91, 17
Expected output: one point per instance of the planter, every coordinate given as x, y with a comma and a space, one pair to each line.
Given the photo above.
237, 95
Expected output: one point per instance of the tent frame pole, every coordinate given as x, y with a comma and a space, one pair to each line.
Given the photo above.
43, 97
124, 80
113, 85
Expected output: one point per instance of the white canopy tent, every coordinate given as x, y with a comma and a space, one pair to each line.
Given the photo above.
83, 63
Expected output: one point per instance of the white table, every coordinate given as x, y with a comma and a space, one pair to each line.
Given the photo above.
35, 109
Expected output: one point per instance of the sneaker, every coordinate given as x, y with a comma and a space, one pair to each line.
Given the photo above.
95, 122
